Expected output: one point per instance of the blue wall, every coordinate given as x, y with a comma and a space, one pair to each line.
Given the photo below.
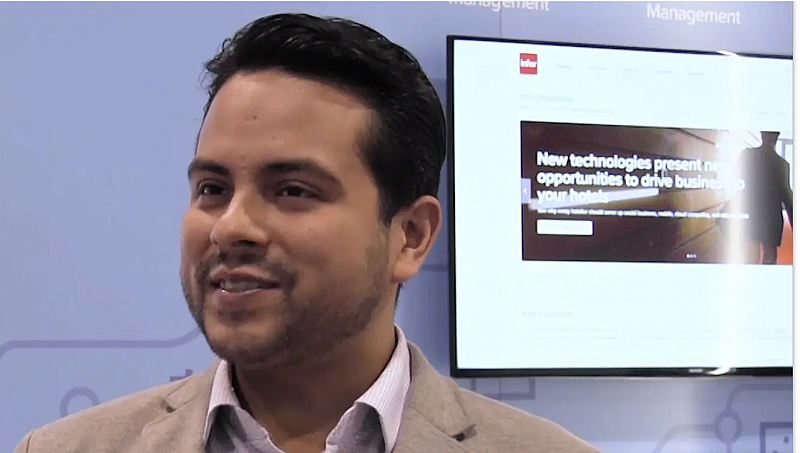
99, 106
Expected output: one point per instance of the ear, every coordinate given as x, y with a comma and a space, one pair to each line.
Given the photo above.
414, 231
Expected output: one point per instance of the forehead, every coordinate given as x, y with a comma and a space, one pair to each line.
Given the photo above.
259, 117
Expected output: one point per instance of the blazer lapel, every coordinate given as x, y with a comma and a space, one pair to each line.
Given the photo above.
433, 420
179, 426
418, 435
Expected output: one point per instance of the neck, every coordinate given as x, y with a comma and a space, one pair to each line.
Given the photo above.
300, 405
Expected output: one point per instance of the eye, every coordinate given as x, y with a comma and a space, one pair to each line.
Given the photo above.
208, 189
295, 191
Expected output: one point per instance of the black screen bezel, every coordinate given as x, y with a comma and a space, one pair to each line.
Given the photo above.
457, 372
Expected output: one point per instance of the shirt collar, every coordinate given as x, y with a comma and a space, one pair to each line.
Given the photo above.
386, 396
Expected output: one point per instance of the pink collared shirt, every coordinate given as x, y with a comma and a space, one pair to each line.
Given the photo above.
371, 425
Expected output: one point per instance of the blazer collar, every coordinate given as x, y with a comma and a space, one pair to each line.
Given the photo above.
178, 428
433, 420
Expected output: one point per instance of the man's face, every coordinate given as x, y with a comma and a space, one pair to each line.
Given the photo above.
283, 254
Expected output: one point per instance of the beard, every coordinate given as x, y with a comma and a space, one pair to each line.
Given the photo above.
308, 326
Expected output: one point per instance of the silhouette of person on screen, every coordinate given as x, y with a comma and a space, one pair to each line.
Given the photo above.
766, 195
312, 198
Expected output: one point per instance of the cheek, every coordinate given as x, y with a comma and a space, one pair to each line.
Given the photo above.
195, 238
328, 246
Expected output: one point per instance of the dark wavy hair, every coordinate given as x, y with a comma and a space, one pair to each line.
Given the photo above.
405, 148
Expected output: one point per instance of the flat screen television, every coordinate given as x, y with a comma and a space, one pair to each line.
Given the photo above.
618, 211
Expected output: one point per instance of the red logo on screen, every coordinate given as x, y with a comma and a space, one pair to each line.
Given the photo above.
528, 63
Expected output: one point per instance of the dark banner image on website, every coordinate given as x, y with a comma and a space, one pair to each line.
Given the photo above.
647, 194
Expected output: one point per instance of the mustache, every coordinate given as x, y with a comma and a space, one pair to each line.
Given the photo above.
230, 259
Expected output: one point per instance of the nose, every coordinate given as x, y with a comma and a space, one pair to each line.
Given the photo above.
241, 224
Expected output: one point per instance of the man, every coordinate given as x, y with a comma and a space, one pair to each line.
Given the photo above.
766, 195
313, 197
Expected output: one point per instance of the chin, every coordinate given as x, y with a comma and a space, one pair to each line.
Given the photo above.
249, 345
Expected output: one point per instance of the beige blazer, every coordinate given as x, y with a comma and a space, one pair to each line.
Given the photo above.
440, 417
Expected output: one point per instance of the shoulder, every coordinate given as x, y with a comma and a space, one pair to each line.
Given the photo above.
499, 423
748, 153
487, 425
108, 424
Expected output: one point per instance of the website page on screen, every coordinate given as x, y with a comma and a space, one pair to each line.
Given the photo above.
621, 209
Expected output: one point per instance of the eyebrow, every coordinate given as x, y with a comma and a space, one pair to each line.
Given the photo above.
280, 167
201, 165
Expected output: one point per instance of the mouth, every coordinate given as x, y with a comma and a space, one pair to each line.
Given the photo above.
240, 282
242, 286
